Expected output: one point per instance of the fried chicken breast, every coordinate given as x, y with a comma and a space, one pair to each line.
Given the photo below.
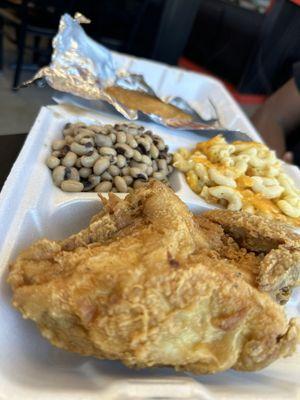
150, 284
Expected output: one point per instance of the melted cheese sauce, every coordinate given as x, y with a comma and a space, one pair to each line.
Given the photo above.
252, 201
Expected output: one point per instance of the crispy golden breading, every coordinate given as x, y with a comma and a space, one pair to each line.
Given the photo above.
279, 270
149, 284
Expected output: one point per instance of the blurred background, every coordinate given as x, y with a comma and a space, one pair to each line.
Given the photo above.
251, 45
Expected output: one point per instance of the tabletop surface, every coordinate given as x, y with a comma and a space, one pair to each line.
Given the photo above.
10, 146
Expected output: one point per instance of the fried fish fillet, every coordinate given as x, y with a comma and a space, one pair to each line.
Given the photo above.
150, 284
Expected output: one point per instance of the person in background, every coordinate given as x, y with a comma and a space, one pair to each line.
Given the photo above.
279, 116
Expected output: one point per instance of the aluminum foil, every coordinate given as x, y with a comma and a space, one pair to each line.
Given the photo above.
84, 68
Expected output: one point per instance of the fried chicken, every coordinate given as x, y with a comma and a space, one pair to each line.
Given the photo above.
279, 269
150, 284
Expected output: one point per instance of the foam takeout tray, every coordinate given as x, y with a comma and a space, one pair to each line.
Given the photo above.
31, 207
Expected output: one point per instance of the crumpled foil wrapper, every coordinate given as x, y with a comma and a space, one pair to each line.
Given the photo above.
84, 68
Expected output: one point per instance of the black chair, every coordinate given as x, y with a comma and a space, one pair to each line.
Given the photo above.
146, 28
277, 48
123, 25
36, 18
223, 37
115, 23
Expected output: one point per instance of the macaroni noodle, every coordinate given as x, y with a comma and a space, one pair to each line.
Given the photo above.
241, 176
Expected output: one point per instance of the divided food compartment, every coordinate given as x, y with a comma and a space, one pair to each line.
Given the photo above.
31, 207
174, 139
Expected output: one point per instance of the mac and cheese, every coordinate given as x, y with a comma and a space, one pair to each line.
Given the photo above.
241, 176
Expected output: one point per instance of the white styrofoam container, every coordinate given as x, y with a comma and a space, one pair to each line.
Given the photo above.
31, 207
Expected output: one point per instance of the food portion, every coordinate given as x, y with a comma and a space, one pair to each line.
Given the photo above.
104, 158
150, 284
148, 104
241, 176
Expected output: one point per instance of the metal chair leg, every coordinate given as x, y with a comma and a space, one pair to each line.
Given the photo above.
21, 44
20, 57
1, 42
36, 49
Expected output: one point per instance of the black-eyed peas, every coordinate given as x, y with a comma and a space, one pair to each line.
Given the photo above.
105, 158
52, 162
120, 184
88, 161
101, 165
71, 186
69, 159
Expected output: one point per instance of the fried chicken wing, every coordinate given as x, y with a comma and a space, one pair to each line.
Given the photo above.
150, 284
279, 270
